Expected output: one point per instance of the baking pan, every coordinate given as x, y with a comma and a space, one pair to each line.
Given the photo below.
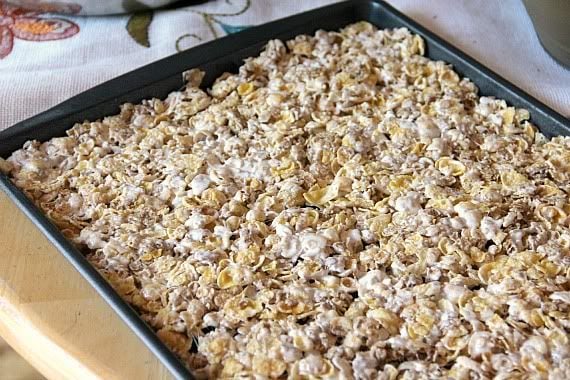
227, 54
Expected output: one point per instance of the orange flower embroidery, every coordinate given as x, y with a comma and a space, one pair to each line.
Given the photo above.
24, 24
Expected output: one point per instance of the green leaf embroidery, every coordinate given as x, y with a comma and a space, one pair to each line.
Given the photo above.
131, 6
138, 27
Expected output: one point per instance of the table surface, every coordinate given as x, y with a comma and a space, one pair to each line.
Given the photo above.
54, 318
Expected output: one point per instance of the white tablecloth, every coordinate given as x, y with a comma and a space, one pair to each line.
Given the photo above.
48, 58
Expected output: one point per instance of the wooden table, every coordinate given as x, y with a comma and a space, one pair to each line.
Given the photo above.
52, 316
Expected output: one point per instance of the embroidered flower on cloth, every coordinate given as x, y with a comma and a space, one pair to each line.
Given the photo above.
25, 23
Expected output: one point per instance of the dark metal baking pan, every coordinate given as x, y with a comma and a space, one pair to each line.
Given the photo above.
227, 54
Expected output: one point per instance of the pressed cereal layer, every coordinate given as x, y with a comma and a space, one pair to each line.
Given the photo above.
343, 207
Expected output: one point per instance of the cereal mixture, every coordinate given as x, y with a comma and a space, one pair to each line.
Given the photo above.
343, 207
